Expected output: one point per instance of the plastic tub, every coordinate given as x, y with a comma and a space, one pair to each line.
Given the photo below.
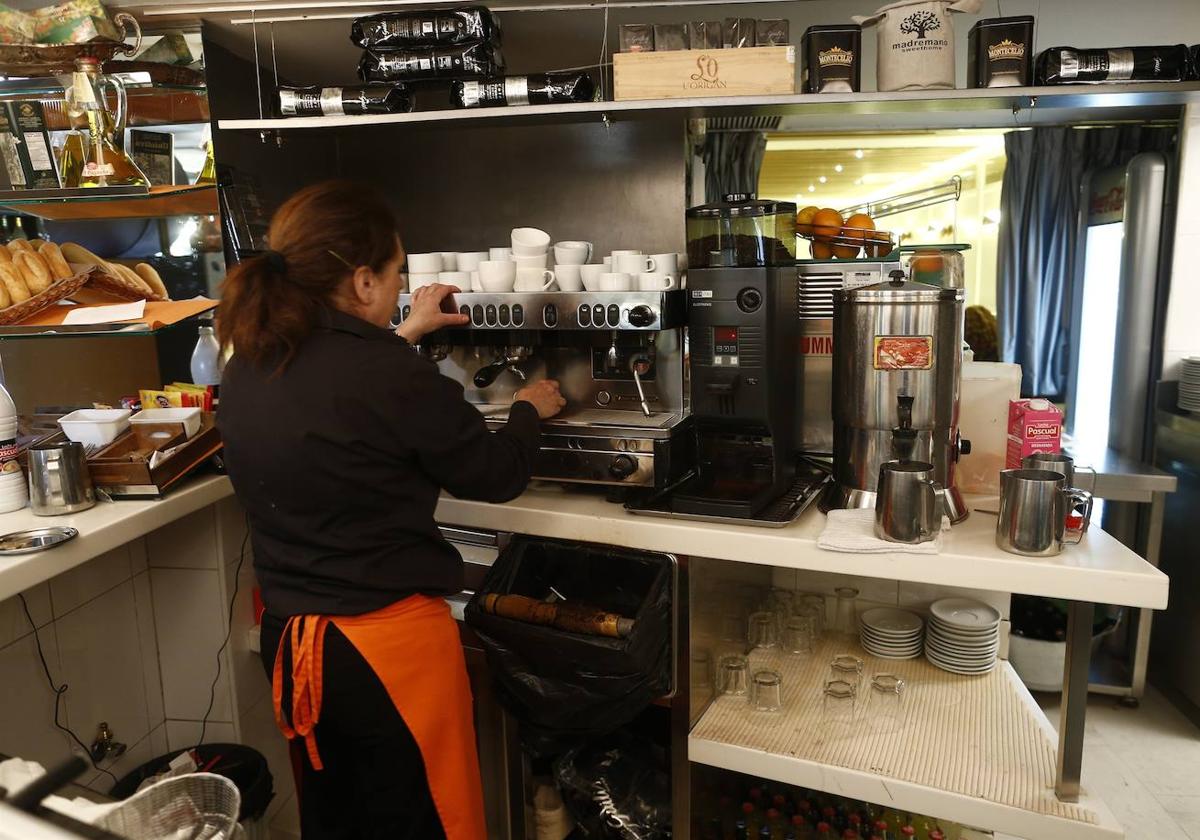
189, 417
95, 426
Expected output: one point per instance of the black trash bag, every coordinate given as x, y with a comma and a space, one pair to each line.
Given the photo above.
563, 687
618, 788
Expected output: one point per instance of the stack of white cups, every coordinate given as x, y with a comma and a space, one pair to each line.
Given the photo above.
14, 493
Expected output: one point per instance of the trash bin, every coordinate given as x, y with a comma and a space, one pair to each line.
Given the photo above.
565, 687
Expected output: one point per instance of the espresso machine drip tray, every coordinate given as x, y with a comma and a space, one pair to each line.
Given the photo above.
597, 418
811, 478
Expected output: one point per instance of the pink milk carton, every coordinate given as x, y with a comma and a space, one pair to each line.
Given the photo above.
1034, 426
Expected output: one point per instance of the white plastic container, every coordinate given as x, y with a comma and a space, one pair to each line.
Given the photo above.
189, 417
95, 426
983, 419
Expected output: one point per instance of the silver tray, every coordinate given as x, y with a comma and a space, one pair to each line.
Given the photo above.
50, 59
35, 540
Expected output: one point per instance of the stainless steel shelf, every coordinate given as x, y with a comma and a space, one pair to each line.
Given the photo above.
819, 112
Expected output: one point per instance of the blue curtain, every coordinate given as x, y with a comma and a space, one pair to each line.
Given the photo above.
1038, 240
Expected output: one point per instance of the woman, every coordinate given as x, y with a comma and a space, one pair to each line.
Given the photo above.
338, 438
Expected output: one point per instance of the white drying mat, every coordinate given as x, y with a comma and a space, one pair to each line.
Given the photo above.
969, 735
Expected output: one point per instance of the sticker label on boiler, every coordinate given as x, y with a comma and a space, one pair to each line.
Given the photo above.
903, 352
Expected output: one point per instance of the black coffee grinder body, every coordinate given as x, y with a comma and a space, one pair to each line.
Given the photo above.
742, 334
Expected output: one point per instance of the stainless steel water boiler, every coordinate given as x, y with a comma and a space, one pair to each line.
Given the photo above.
897, 361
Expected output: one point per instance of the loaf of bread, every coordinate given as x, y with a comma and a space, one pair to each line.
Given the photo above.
54, 258
34, 271
18, 292
152, 279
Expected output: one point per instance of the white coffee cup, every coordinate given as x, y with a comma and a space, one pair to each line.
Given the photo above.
666, 264
634, 264
616, 254
651, 281
608, 263
449, 260
615, 281
569, 278
461, 279
534, 280
470, 260
572, 253
425, 264
416, 281
475, 284
499, 254
527, 240
497, 275
526, 261
590, 276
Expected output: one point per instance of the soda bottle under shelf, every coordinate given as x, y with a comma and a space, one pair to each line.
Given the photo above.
851, 834
751, 821
824, 832
907, 832
799, 829
881, 829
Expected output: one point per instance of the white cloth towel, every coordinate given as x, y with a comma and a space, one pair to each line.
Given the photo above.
854, 531
16, 773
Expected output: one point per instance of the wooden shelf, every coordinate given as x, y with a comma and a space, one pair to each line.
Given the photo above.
185, 200
1013, 107
974, 750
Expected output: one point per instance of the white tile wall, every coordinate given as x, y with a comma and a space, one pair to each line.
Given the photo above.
143, 601
73, 588
27, 723
14, 624
258, 730
250, 681
189, 618
187, 543
182, 734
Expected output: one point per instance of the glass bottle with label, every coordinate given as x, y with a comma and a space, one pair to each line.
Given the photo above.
74, 156
107, 164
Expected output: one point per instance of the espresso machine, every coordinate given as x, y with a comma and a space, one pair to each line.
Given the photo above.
618, 358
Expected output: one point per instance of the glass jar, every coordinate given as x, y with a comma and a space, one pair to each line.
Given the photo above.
741, 231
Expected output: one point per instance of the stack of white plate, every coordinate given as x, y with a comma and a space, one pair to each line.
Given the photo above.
963, 637
890, 633
1189, 384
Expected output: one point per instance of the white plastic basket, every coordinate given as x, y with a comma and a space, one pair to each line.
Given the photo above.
198, 806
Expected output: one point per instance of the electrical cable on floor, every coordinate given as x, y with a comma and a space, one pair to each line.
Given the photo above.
59, 690
212, 690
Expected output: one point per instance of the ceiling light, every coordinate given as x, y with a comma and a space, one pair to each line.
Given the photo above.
837, 167
822, 179
812, 188
858, 153
859, 181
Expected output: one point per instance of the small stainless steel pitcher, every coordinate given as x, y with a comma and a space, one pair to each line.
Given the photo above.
59, 481
908, 502
1059, 463
1034, 505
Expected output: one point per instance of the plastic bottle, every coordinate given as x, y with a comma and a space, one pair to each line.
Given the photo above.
206, 359
13, 488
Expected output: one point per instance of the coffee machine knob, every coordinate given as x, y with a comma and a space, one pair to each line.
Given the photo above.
749, 299
622, 467
641, 315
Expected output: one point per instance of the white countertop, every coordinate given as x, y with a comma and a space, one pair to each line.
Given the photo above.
1101, 569
101, 528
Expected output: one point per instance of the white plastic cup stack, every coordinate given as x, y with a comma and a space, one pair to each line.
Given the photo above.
14, 493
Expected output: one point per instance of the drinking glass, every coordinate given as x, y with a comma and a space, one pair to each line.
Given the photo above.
701, 673
845, 622
813, 603
837, 705
768, 693
733, 633
764, 630
799, 637
846, 668
733, 676
885, 704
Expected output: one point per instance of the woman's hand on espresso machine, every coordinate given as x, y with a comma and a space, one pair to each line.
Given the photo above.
432, 309
544, 396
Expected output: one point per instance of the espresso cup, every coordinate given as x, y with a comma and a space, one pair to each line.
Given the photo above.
461, 279
527, 240
649, 281
572, 253
528, 261
470, 260
416, 281
908, 503
534, 280
495, 254
615, 281
449, 260
497, 275
476, 286
425, 264
666, 264
569, 277
590, 275
633, 264
608, 263
1034, 506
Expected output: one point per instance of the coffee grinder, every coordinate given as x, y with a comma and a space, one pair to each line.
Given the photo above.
742, 329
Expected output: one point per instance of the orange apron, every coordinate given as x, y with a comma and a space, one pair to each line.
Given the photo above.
413, 647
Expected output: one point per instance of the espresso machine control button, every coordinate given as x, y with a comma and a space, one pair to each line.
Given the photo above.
603, 398
641, 315
504, 315
550, 315
749, 300
462, 310
622, 467
518, 315
598, 314
585, 315
489, 314
405, 312
477, 315
614, 315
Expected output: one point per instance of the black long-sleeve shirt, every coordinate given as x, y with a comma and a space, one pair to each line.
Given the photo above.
339, 460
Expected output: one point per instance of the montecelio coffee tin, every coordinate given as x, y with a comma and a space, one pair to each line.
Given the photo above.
833, 58
1000, 52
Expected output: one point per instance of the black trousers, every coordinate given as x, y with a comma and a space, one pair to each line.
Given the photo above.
373, 785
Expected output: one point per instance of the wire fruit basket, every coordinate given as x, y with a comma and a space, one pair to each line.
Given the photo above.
198, 806
850, 243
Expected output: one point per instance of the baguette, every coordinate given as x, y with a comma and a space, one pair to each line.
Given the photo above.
5, 255
16, 245
54, 258
5, 299
130, 278
152, 279
34, 271
38, 244
11, 278
76, 253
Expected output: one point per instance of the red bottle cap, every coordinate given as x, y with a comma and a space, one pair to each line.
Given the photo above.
908, 831
881, 826
850, 834
855, 819
822, 826
828, 811
936, 834
780, 801
747, 807
772, 814
797, 819
756, 793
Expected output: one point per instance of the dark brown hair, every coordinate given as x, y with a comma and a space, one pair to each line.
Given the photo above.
271, 302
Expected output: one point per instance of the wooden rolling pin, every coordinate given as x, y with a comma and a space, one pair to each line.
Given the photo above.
574, 618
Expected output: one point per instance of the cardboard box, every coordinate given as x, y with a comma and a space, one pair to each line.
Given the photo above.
1034, 426
683, 74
